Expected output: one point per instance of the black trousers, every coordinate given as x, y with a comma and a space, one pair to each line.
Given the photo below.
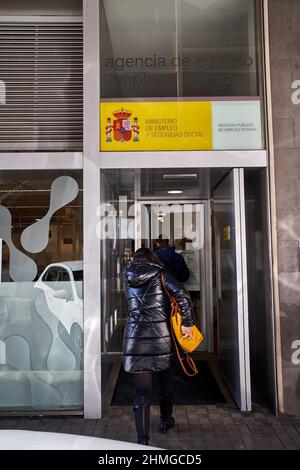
143, 382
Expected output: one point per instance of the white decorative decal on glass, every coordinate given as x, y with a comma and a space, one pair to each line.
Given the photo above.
2, 92
33, 390
41, 322
40, 362
21, 267
2, 353
18, 353
59, 357
63, 190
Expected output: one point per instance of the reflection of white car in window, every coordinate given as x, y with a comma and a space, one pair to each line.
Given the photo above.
62, 286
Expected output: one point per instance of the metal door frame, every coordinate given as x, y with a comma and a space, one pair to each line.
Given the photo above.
205, 258
241, 287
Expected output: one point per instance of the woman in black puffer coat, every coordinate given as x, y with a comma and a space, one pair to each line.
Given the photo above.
147, 344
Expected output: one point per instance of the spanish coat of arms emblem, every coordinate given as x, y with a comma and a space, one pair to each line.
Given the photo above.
122, 129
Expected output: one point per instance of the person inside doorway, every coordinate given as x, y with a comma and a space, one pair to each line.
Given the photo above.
173, 261
147, 342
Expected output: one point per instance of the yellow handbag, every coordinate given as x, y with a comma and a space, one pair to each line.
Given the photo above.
186, 344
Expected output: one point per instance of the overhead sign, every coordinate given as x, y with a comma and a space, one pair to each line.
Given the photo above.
179, 125
153, 125
236, 125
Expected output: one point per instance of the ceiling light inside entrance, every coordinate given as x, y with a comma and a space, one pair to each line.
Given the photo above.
175, 191
173, 176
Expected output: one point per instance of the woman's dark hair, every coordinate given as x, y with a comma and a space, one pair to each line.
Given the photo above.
145, 254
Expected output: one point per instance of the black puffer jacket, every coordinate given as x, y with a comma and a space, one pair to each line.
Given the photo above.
147, 344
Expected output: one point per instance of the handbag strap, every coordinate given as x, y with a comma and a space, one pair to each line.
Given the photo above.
164, 286
189, 360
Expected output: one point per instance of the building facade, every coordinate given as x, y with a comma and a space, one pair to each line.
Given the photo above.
284, 62
122, 122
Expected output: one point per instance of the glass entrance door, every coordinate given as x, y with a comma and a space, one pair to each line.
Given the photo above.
231, 286
167, 226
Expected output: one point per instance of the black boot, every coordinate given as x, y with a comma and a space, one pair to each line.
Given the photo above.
166, 424
166, 419
142, 423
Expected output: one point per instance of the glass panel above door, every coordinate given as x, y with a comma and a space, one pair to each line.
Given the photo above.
180, 75
178, 48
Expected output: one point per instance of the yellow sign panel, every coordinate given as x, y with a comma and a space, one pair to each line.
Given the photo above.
226, 232
129, 126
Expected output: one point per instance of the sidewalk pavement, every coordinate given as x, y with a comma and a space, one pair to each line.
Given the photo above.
202, 427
